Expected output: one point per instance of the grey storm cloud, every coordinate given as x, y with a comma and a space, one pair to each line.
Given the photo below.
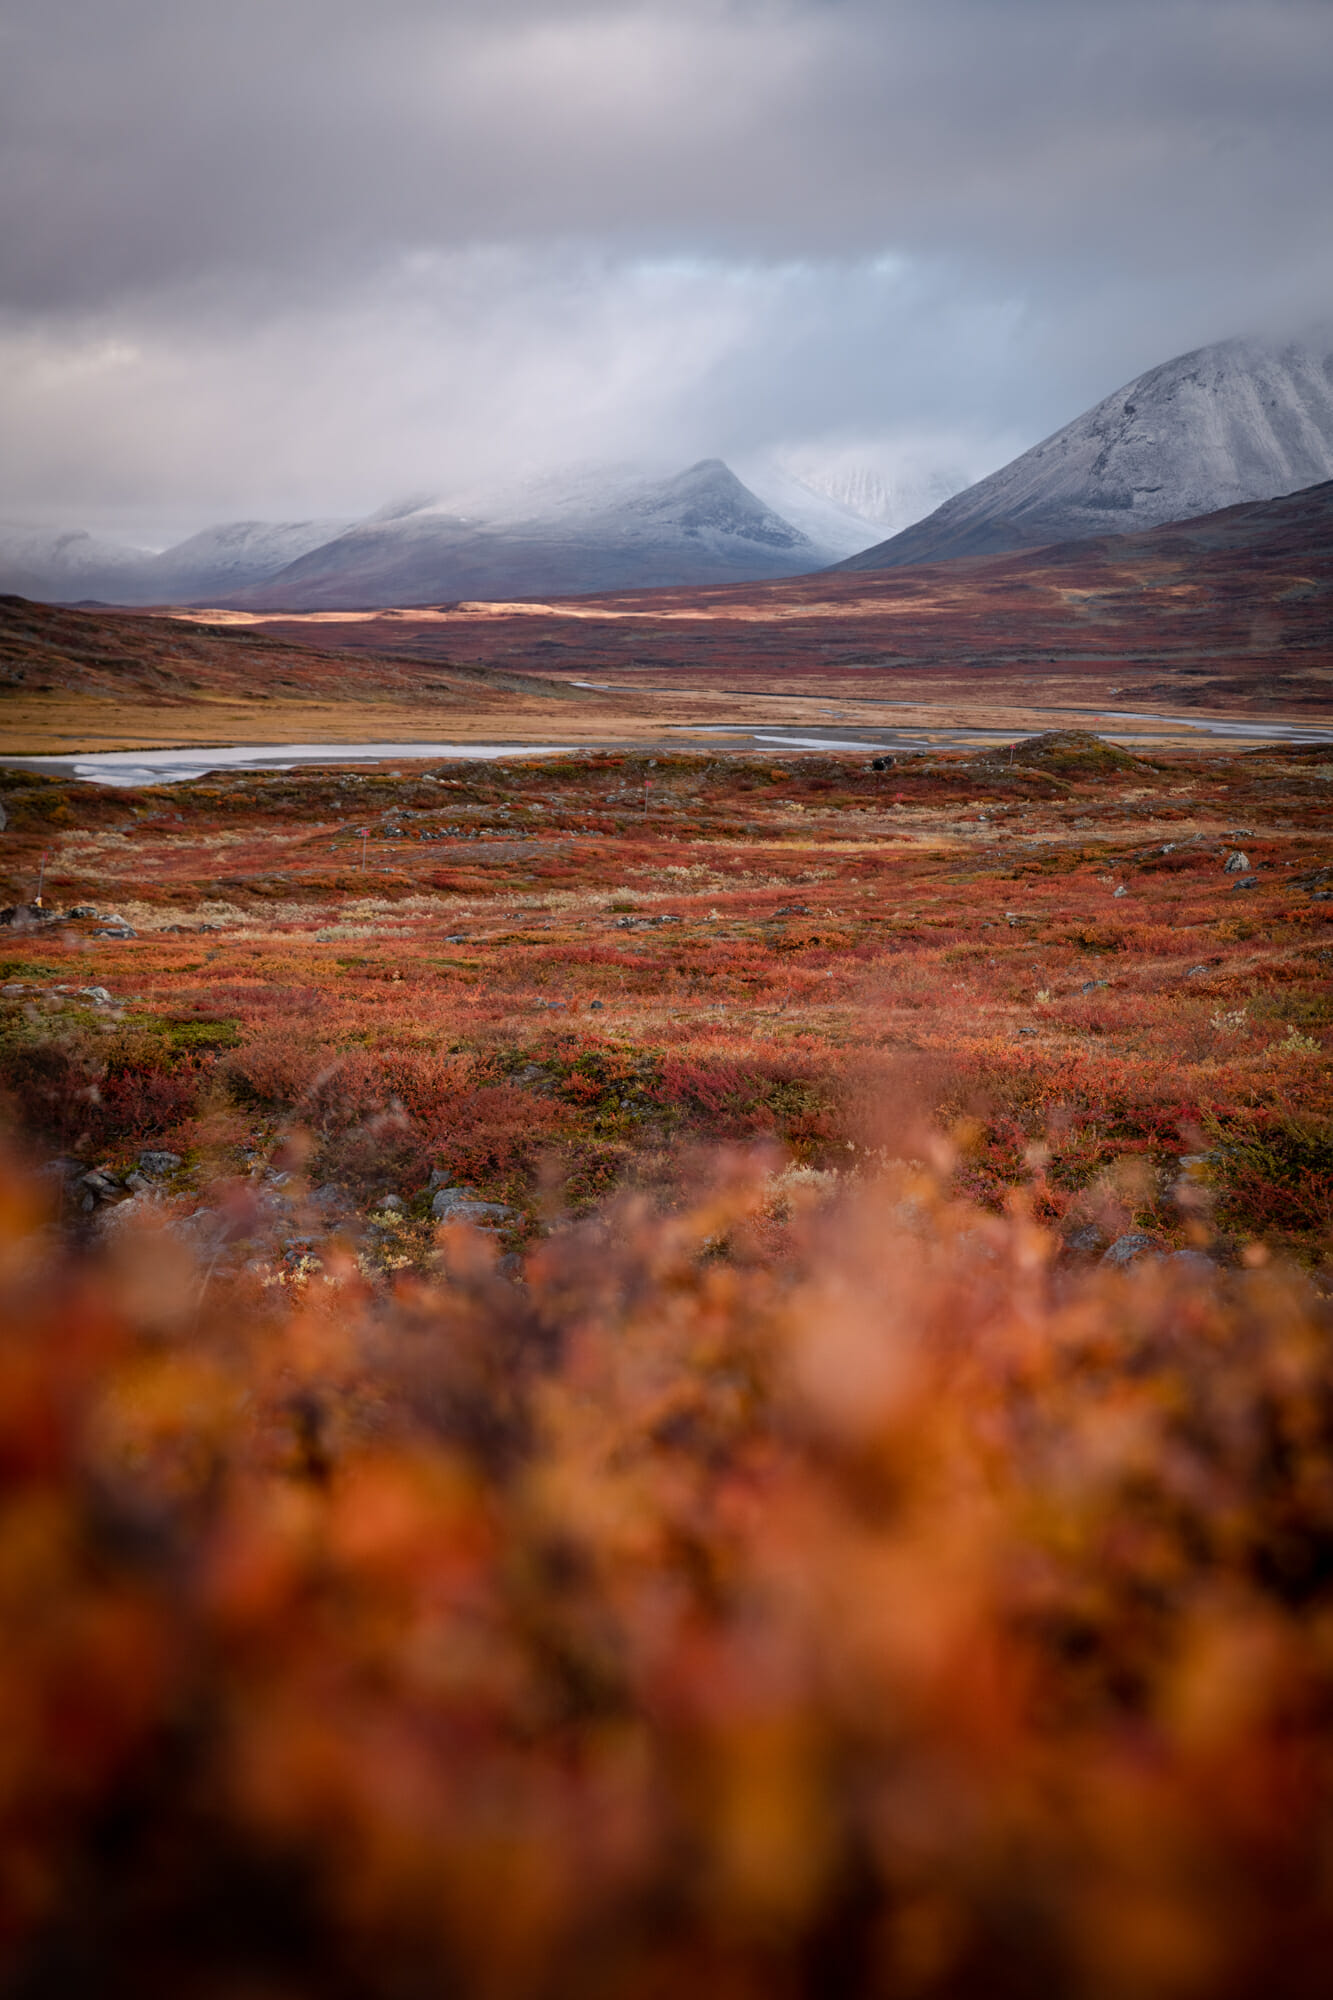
704, 217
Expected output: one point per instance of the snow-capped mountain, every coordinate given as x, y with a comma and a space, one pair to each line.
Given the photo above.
67, 564
593, 532
234, 556
68, 567
1244, 420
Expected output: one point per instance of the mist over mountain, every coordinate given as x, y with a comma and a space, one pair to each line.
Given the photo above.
1240, 421
699, 526
592, 527
67, 566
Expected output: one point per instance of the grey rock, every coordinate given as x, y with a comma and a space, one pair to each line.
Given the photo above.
459, 1205
1191, 1263
206, 1231
390, 1204
1126, 1249
118, 931
1085, 1242
81, 911
1253, 883
1236, 863
596, 1006
1195, 971
97, 994
155, 1162
332, 1199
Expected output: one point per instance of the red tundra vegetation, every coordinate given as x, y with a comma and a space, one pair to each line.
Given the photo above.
729, 1393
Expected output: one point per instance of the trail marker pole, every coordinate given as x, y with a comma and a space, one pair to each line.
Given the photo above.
41, 878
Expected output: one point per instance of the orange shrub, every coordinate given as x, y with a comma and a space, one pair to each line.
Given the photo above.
858, 1606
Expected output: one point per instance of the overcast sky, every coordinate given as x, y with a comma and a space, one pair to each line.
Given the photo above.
282, 257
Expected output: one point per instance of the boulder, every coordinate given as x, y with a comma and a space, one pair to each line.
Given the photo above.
1236, 863
462, 1205
1127, 1249
154, 1162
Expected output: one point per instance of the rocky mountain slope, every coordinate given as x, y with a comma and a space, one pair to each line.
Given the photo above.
1241, 421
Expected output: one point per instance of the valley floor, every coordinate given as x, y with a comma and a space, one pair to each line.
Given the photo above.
549, 980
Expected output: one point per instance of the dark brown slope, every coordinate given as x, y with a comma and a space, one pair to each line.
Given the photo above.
141, 658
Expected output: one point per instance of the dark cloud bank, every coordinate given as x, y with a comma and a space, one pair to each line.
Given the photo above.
301, 254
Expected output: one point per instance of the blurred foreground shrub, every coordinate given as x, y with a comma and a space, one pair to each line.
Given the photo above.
734, 1608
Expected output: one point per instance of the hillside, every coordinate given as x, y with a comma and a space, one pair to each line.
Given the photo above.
49, 649
1237, 422
1236, 605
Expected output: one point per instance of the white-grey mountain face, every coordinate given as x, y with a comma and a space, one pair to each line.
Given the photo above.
40, 563
49, 563
698, 527
1241, 421
240, 553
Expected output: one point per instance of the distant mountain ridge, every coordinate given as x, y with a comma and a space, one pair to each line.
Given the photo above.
699, 526
590, 529
66, 566
1222, 426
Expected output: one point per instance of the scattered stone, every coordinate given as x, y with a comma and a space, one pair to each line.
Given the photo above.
1126, 1249
1236, 863
389, 1204
157, 1162
1195, 971
793, 910
116, 931
97, 994
457, 937
96, 1188
1093, 985
881, 763
1085, 1242
1253, 883
1122, 890
596, 1006
1027, 1031
81, 911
